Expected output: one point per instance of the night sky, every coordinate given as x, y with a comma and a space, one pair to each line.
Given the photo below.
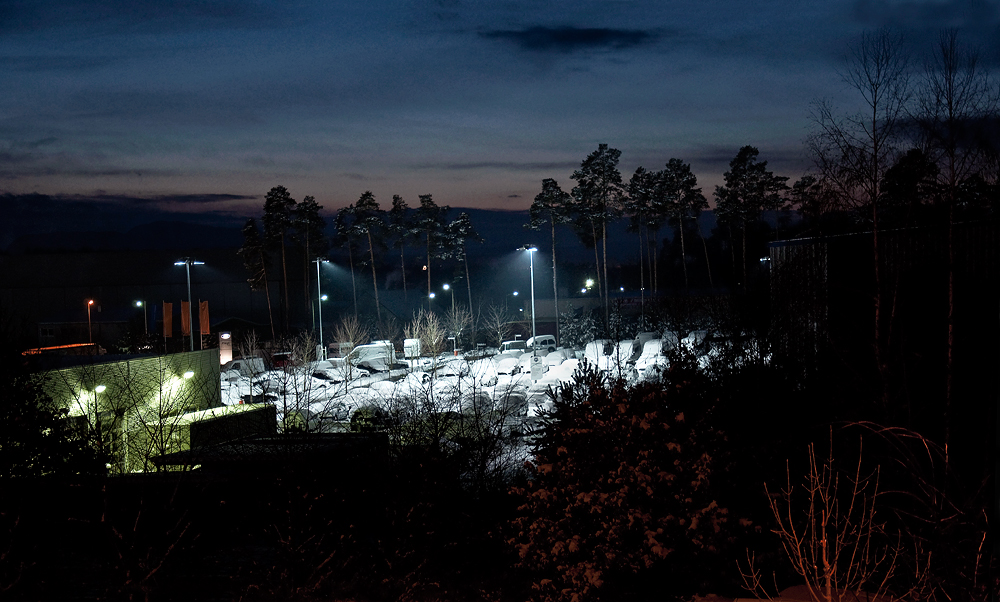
202, 106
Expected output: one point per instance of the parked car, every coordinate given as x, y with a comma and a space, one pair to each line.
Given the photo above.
542, 342
517, 346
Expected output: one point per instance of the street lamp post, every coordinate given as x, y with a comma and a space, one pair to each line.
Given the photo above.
145, 320
447, 287
187, 262
531, 262
319, 303
90, 329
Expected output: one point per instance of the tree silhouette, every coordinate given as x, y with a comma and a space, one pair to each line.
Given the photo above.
460, 232
346, 238
554, 206
400, 230
255, 260
307, 230
643, 220
853, 151
678, 196
598, 198
429, 223
279, 207
369, 223
954, 102
750, 190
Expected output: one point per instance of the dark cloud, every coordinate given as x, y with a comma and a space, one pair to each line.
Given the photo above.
10, 170
502, 165
172, 199
28, 216
921, 22
165, 15
571, 39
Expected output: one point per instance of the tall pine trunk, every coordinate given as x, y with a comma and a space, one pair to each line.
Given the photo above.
284, 273
708, 264
402, 267
354, 285
371, 257
267, 294
555, 288
680, 221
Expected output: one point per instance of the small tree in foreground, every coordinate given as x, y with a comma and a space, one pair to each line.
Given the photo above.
832, 537
621, 492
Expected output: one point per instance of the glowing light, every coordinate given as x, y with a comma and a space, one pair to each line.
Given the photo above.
188, 374
432, 295
99, 389
446, 287
90, 302
323, 298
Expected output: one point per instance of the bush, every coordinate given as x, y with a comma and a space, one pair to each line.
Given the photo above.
622, 489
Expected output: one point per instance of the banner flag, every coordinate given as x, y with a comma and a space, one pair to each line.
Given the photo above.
168, 319
203, 317
185, 319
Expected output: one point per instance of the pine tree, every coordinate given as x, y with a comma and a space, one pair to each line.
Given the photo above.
554, 206
598, 198
279, 206
255, 260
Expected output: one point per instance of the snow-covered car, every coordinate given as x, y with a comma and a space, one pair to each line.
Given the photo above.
327, 370
653, 359
508, 365
599, 353
558, 356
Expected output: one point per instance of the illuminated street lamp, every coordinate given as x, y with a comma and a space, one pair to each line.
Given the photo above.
90, 330
145, 321
447, 287
187, 262
531, 259
320, 298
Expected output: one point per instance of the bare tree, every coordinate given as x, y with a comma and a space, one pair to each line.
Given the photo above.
498, 323
853, 151
352, 332
457, 321
835, 542
954, 100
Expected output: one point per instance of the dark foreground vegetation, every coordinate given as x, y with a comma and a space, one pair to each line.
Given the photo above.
715, 479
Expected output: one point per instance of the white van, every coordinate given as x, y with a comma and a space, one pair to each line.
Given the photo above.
542, 342
517, 347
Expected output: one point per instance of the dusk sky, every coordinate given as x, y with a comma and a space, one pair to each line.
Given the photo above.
205, 105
